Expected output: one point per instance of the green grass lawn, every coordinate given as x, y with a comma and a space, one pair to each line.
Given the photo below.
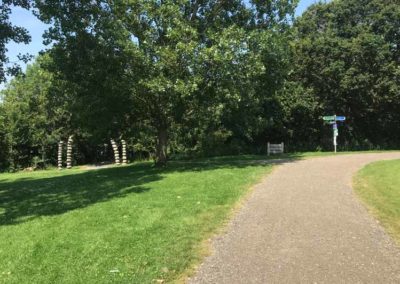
378, 185
294, 155
132, 224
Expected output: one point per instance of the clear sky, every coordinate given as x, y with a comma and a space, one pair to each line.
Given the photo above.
36, 28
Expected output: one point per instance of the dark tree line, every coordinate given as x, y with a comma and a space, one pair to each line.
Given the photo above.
200, 78
347, 54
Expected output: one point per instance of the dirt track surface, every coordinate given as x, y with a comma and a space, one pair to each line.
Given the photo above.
303, 224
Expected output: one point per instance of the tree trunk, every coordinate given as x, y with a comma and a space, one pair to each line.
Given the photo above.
11, 159
161, 147
59, 157
124, 161
43, 156
69, 152
116, 152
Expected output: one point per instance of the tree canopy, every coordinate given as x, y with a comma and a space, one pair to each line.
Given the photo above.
8, 33
205, 77
348, 54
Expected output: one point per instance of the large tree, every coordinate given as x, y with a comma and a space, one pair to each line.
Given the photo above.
162, 62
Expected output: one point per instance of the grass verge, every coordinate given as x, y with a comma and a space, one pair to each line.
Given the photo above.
378, 185
133, 224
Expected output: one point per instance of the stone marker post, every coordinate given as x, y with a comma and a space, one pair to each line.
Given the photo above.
69, 152
116, 152
59, 157
124, 161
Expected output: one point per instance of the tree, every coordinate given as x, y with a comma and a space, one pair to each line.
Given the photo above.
347, 53
165, 62
92, 57
10, 32
35, 115
3, 144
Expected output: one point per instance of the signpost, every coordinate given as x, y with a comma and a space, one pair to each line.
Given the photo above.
332, 119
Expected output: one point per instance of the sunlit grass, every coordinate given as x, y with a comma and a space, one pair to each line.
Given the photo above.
133, 224
378, 185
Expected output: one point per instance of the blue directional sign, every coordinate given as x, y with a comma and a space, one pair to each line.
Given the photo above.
332, 120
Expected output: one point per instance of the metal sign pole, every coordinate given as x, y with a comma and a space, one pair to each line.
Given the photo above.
333, 120
334, 142
334, 127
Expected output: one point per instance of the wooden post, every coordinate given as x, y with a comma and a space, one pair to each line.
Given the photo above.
116, 152
268, 149
59, 157
69, 152
124, 161
283, 149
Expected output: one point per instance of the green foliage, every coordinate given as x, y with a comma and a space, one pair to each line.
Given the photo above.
166, 63
201, 78
33, 117
297, 119
347, 53
3, 144
9, 32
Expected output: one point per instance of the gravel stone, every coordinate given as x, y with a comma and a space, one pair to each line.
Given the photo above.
304, 224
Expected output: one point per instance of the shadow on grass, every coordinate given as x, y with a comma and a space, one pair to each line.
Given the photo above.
27, 198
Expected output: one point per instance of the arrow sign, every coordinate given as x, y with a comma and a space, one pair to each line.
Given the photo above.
332, 119
328, 118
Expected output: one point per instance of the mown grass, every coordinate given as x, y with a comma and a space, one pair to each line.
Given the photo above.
132, 224
378, 185
293, 156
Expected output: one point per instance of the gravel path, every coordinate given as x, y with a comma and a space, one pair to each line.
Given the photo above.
303, 224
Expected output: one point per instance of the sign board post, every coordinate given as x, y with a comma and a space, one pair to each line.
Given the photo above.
332, 119
335, 134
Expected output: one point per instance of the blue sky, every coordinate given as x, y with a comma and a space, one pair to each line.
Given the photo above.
36, 28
